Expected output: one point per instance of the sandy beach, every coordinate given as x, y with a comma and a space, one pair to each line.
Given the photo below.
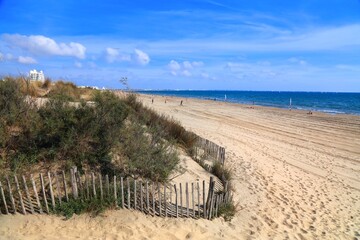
296, 176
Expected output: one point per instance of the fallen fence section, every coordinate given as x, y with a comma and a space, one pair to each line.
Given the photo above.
43, 192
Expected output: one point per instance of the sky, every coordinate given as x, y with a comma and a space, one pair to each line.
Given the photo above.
274, 45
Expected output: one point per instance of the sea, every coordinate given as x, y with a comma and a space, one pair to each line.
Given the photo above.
328, 102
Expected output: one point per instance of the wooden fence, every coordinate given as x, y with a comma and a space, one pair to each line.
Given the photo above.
42, 193
209, 149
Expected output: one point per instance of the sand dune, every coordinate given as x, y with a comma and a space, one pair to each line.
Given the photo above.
296, 176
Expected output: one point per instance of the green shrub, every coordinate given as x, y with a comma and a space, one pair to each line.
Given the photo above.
227, 211
147, 155
93, 206
224, 174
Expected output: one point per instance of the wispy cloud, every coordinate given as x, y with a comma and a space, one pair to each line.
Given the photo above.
138, 56
26, 60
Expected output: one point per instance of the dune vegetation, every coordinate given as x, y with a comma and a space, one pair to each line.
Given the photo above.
84, 127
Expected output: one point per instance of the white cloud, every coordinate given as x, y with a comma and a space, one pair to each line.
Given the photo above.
187, 65
174, 65
113, 55
186, 73
138, 57
78, 64
38, 44
141, 57
26, 60
185, 69
297, 61
197, 64
20, 59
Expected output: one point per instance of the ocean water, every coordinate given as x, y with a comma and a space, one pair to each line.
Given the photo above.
333, 103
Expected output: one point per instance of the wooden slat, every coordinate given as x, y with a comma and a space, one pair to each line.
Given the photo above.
135, 200
176, 201
204, 201
153, 199
36, 194
107, 185
65, 186
28, 194
122, 192
217, 205
141, 197
13, 206
181, 201
193, 200
128, 193
147, 197
159, 199
93, 184
79, 184
115, 190
20, 195
3, 198
87, 186
187, 198
198, 198
44, 193
101, 187
165, 201
73, 183
51, 191
58, 188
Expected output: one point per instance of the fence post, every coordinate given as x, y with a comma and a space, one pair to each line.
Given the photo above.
147, 197
181, 201
65, 186
135, 202
36, 193
101, 187
192, 198
58, 187
153, 198
3, 198
204, 202
20, 195
107, 185
176, 201
165, 205
128, 193
93, 184
11, 195
187, 199
122, 192
141, 197
159, 197
43, 192
51, 191
73, 183
115, 191
198, 197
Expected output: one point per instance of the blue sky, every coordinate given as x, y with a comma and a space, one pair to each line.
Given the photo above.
181, 44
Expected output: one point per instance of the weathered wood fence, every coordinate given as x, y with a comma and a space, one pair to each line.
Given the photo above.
42, 193
210, 149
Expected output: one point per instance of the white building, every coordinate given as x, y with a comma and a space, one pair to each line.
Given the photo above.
36, 76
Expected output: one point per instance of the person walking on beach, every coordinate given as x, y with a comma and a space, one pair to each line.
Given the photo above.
181, 102
152, 101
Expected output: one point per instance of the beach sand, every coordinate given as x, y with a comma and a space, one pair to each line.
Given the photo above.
296, 176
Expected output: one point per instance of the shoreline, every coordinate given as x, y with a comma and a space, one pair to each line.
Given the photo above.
258, 104
250, 106
295, 176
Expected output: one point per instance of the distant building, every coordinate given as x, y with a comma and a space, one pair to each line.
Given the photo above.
36, 76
